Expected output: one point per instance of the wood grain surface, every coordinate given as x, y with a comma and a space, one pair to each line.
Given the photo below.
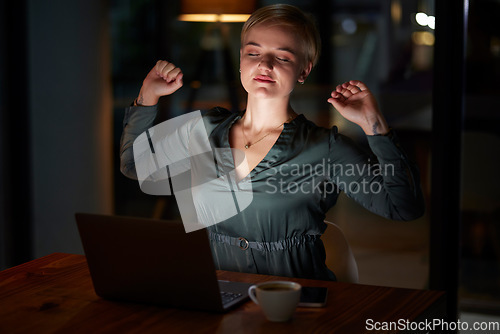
54, 294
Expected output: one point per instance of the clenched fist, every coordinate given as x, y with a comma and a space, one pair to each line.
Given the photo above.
163, 79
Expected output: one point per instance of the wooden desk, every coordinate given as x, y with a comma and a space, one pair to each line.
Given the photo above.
54, 294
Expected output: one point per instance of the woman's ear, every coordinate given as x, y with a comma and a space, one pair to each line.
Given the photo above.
305, 72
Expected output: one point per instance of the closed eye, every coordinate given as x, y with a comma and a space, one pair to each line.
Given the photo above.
282, 59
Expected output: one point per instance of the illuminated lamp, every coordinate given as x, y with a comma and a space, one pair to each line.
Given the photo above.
216, 10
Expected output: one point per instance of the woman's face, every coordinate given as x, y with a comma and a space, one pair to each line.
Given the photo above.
271, 61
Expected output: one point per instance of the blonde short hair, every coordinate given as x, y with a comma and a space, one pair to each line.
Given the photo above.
290, 16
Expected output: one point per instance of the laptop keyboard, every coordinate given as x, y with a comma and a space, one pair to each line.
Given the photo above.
228, 297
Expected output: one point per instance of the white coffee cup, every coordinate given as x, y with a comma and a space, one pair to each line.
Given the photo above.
277, 299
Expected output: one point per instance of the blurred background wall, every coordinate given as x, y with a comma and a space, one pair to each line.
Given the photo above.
56, 123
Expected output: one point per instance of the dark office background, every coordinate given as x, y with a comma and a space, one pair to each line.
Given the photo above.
69, 68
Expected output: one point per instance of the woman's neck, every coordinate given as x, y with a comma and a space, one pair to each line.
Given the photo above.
263, 114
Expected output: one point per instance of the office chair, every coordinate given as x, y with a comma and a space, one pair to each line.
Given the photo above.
339, 256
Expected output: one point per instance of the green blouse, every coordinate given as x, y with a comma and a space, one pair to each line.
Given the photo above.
293, 187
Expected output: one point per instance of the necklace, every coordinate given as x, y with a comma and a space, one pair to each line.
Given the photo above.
248, 145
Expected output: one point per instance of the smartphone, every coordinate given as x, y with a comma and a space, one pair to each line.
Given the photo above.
313, 296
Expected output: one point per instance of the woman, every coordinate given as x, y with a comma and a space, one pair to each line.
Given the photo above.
296, 168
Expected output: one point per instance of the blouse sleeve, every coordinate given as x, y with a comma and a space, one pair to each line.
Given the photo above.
387, 183
137, 120
153, 154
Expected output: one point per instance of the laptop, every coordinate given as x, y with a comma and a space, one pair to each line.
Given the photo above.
154, 262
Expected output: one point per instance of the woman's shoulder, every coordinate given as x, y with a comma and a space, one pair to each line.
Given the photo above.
217, 120
308, 138
313, 130
217, 113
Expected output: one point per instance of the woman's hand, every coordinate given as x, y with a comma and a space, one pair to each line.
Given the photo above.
164, 79
356, 103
